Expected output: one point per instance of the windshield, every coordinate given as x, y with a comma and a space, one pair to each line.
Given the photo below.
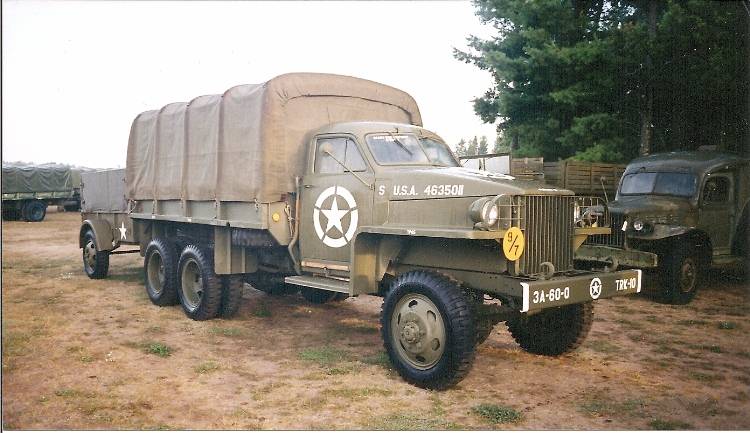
391, 149
675, 184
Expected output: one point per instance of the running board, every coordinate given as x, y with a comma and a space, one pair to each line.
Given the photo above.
321, 283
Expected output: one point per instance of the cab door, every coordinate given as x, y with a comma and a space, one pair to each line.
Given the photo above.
717, 216
336, 200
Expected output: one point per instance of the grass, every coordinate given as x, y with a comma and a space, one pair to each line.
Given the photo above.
152, 348
380, 358
727, 325
262, 310
497, 414
404, 421
226, 332
662, 424
705, 377
324, 356
603, 346
206, 367
356, 393
599, 404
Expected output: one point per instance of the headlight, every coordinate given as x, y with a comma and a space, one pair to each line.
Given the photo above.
490, 213
642, 228
485, 212
638, 225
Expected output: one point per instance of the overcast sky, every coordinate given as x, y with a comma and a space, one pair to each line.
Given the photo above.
75, 74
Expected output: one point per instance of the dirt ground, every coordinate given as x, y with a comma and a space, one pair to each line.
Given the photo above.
86, 354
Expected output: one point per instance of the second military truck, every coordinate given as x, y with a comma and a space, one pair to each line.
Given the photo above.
329, 184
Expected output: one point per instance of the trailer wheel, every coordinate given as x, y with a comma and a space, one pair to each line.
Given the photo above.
160, 272
34, 211
95, 263
231, 295
199, 288
553, 331
428, 329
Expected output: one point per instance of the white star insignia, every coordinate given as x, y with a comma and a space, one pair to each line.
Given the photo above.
122, 230
334, 216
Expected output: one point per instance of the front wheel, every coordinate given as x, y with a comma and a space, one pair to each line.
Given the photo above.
681, 275
95, 262
199, 288
554, 331
428, 329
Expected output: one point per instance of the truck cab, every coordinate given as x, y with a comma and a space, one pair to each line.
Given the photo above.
681, 213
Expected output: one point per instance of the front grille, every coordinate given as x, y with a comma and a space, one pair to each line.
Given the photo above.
547, 222
616, 239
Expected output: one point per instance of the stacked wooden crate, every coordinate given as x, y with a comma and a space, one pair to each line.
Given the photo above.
585, 178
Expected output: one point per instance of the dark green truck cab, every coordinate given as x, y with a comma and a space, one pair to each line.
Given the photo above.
677, 213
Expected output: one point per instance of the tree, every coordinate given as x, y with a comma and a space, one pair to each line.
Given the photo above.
461, 148
473, 146
500, 146
482, 146
601, 79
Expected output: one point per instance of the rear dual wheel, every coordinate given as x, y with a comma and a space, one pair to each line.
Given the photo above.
34, 211
190, 280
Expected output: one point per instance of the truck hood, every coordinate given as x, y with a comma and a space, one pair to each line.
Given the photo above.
408, 183
650, 206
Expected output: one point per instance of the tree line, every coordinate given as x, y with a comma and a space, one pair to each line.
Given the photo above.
604, 80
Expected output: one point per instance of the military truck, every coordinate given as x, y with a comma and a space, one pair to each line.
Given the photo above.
330, 184
678, 213
28, 190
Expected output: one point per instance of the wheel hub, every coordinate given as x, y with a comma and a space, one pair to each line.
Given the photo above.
411, 333
418, 331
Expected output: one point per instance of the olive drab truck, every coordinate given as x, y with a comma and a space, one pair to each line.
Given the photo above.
679, 214
330, 185
29, 189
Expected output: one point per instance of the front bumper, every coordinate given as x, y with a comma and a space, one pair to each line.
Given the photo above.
611, 255
542, 294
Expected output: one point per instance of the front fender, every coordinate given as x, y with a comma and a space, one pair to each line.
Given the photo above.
104, 237
662, 231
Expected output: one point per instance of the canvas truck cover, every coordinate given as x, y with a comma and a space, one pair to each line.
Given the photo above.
103, 191
249, 143
36, 179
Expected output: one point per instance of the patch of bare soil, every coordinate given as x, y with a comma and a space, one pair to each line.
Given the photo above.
96, 354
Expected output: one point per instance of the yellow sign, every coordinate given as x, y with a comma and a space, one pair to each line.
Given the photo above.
513, 243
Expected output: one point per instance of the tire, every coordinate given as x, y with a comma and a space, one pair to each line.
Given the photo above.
681, 276
554, 331
160, 272
198, 287
317, 296
231, 295
34, 211
414, 301
95, 263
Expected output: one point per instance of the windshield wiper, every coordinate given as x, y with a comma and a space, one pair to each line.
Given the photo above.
402, 145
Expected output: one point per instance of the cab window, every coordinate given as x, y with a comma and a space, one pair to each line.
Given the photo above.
343, 149
716, 190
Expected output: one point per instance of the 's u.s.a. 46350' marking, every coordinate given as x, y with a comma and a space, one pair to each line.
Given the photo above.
429, 190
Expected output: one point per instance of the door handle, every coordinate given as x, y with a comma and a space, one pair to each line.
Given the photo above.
308, 186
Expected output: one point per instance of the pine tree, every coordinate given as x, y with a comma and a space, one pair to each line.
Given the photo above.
482, 150
588, 78
461, 148
473, 146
